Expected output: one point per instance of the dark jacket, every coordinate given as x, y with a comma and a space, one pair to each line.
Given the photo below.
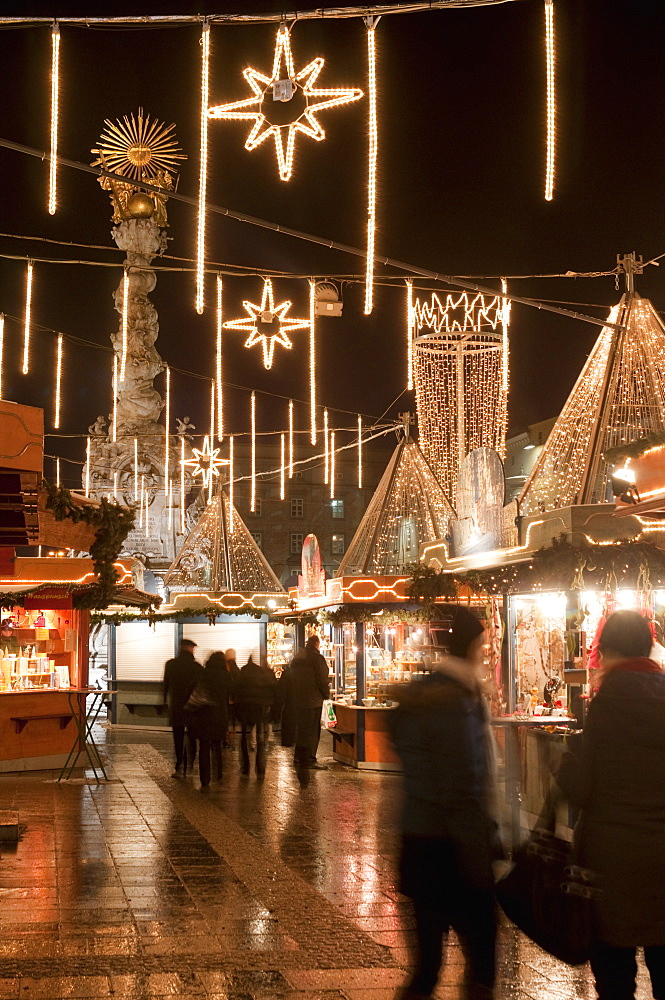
309, 672
180, 677
618, 778
255, 691
211, 721
440, 732
285, 707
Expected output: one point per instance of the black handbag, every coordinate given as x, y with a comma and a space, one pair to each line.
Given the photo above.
548, 896
199, 698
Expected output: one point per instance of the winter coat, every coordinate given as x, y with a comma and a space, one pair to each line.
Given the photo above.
285, 707
440, 730
211, 722
254, 692
180, 677
618, 779
311, 686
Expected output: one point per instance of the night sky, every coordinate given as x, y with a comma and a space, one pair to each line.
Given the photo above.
461, 164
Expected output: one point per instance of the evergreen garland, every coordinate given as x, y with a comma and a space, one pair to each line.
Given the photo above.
635, 448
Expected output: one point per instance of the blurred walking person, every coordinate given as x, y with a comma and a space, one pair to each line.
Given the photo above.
311, 687
449, 834
209, 723
180, 677
234, 671
617, 777
253, 697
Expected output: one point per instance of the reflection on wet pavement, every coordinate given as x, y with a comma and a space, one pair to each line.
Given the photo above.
143, 887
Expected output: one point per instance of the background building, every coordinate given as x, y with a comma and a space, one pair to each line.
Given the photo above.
522, 452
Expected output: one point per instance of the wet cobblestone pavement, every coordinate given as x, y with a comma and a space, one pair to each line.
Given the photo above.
145, 887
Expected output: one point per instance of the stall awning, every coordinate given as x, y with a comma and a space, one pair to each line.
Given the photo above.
63, 595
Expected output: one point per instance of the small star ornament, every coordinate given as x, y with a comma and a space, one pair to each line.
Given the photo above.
258, 319
206, 462
281, 87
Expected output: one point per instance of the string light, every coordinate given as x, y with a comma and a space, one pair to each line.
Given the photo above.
87, 467
2, 352
124, 324
55, 93
58, 383
170, 504
252, 499
550, 57
231, 482
115, 486
505, 359
114, 401
290, 439
371, 167
332, 465
147, 521
182, 485
57, 472
409, 335
282, 468
212, 412
326, 449
203, 170
136, 470
283, 72
218, 370
28, 318
312, 361
141, 515
360, 452
167, 441
259, 315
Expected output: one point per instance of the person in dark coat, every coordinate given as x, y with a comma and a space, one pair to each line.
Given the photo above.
441, 731
234, 670
180, 677
285, 707
253, 697
311, 687
617, 777
209, 724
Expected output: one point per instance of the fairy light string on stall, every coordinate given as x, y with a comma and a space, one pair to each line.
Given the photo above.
55, 113
27, 318
550, 60
203, 169
372, 156
312, 361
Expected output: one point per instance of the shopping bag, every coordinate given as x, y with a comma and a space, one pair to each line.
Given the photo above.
198, 699
549, 897
328, 717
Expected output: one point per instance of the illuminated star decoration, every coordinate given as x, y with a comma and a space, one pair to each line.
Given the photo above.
205, 463
267, 312
311, 101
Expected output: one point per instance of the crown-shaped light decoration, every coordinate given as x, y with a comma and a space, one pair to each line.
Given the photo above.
258, 320
283, 85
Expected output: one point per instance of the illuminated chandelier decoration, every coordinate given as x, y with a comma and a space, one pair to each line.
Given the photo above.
618, 398
283, 86
460, 372
259, 323
205, 463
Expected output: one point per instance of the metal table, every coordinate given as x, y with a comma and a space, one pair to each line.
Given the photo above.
84, 719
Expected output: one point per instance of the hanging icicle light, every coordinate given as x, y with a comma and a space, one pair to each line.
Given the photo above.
505, 323
2, 352
290, 439
124, 324
203, 170
550, 58
146, 501
170, 504
326, 449
409, 335
57, 472
212, 412
360, 452
312, 361
114, 401
115, 486
218, 368
58, 383
252, 498
87, 467
136, 470
182, 485
167, 443
282, 469
27, 319
332, 465
231, 482
55, 95
371, 166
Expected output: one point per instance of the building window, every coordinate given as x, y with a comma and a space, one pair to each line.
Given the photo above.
297, 539
258, 537
337, 508
297, 507
258, 509
337, 545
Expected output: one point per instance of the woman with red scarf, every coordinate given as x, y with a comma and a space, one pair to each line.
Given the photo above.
618, 780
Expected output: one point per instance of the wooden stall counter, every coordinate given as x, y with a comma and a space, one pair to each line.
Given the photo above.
361, 738
37, 729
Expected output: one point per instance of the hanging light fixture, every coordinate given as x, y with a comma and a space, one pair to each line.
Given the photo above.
55, 95
203, 169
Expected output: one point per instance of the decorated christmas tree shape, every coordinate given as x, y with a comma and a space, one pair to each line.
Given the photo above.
618, 398
408, 509
220, 556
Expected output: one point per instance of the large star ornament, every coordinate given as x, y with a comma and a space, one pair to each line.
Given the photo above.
206, 462
316, 99
268, 312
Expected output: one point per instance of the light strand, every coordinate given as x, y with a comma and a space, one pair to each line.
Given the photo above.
290, 439
550, 56
87, 467
505, 323
231, 480
182, 485
114, 401
124, 324
409, 335
115, 486
136, 470
371, 169
141, 497
326, 448
170, 504
332, 465
360, 452
312, 361
282, 468
58, 383
203, 170
55, 94
252, 498
211, 438
218, 368
146, 500
27, 319
2, 352
167, 422
57, 472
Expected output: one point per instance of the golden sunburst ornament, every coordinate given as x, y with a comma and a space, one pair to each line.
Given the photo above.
138, 148
283, 86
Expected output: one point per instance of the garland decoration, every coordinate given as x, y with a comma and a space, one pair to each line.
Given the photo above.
635, 448
384, 614
212, 612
